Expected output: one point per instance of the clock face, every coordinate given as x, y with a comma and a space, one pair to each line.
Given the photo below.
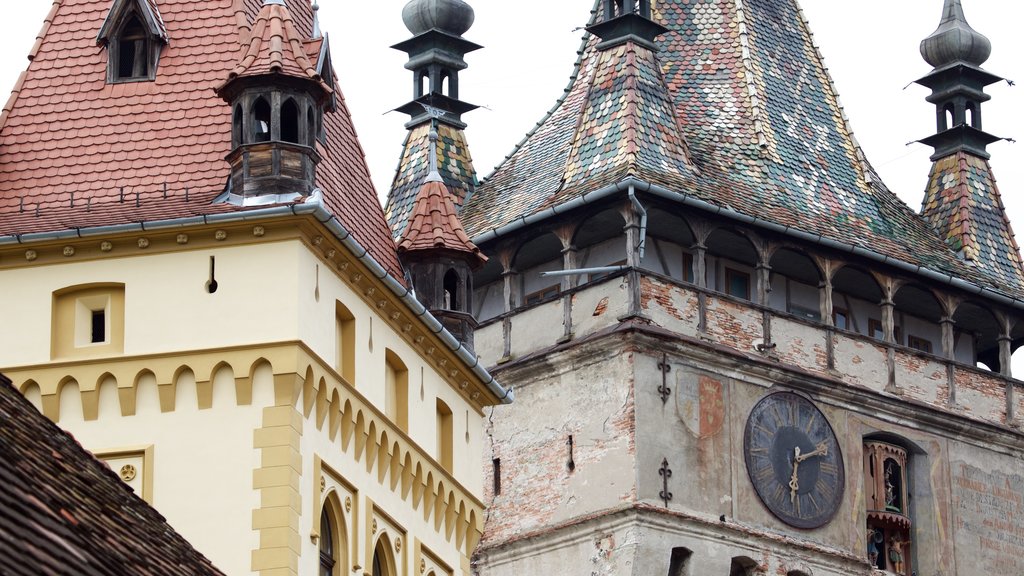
794, 460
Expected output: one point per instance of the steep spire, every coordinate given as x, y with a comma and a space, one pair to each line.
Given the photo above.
957, 51
436, 56
962, 202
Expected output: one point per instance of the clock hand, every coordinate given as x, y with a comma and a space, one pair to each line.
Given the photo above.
794, 480
821, 451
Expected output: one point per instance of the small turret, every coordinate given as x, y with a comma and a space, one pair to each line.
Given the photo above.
439, 255
278, 98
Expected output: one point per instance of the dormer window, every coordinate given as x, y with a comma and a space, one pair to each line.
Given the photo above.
133, 34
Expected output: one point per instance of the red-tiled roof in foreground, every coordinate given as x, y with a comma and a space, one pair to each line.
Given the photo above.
63, 512
77, 152
435, 225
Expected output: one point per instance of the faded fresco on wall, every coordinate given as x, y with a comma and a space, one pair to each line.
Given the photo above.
989, 519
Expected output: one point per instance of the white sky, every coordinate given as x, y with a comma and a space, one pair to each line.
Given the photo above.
870, 46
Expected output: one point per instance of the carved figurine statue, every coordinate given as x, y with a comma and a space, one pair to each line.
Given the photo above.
873, 539
890, 490
896, 550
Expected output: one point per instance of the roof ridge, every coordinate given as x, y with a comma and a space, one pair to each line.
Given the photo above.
632, 85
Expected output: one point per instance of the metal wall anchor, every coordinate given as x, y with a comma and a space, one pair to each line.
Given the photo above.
665, 473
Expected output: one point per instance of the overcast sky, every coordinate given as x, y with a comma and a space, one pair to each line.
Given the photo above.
870, 47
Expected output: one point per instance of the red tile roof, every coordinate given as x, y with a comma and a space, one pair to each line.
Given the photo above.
434, 224
276, 47
70, 143
64, 512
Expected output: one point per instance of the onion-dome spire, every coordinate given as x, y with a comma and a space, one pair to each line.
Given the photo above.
453, 17
955, 41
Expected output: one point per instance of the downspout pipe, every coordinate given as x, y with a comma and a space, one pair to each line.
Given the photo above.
688, 200
313, 206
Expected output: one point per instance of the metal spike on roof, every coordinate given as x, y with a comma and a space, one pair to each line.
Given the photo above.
317, 33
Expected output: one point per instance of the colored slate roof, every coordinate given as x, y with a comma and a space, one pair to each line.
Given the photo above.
70, 143
963, 204
434, 224
276, 47
62, 512
454, 163
628, 125
763, 126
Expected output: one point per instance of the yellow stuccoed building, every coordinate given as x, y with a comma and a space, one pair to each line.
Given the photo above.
249, 357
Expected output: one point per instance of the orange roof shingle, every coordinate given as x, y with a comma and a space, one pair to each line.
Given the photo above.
435, 225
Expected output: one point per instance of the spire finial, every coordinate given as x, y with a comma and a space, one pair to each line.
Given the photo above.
435, 175
954, 40
317, 34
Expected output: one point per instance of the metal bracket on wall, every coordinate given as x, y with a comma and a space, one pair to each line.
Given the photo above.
665, 473
664, 391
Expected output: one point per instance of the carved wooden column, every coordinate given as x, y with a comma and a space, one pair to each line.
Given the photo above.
764, 288
569, 262
632, 229
511, 295
888, 307
948, 352
825, 309
700, 277
1005, 368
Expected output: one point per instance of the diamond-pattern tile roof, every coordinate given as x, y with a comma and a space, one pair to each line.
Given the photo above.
72, 146
63, 512
453, 162
435, 225
763, 127
963, 204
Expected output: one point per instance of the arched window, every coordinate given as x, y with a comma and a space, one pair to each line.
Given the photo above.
452, 294
261, 121
327, 545
949, 120
290, 122
383, 562
971, 116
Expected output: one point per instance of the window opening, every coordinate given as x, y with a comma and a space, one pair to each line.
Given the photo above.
452, 300
679, 561
311, 126
496, 467
261, 121
99, 326
875, 331
840, 318
919, 344
396, 391
327, 560
970, 116
948, 119
346, 336
290, 122
542, 295
444, 435
236, 126
737, 283
688, 274
132, 51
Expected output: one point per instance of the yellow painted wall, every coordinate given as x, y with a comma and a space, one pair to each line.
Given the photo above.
281, 294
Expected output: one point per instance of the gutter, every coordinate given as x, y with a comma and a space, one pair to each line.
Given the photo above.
313, 206
635, 184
